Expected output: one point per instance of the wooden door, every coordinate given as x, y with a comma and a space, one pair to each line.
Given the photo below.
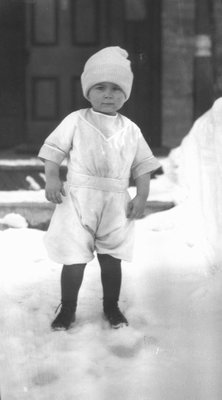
62, 34
12, 72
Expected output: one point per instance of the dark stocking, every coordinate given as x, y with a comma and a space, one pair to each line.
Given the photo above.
111, 277
71, 280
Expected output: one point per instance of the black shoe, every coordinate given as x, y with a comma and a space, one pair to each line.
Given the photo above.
115, 317
65, 317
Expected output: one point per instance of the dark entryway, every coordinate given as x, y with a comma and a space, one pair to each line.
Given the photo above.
50, 40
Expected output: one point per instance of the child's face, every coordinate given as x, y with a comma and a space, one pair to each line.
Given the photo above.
106, 97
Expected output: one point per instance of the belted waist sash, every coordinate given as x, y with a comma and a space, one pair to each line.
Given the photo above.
97, 182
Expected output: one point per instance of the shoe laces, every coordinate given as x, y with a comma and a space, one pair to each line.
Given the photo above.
57, 308
66, 306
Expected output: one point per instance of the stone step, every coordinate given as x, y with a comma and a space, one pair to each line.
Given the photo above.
38, 214
22, 185
24, 177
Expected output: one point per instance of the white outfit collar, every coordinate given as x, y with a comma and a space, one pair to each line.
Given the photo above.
107, 125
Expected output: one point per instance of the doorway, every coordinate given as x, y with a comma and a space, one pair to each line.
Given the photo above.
62, 34
48, 43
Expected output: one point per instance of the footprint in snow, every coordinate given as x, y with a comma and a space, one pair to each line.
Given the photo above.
123, 351
43, 378
128, 342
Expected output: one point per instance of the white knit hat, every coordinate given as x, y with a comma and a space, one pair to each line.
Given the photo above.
108, 65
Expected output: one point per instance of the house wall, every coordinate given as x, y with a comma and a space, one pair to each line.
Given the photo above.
177, 69
178, 49
217, 46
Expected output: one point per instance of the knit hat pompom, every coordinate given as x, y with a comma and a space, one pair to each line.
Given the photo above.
108, 65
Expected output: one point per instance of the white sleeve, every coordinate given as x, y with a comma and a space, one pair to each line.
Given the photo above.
144, 161
58, 144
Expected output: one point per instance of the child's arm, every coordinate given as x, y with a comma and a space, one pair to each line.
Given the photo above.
137, 205
54, 186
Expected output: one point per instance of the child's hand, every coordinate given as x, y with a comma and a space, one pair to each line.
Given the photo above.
53, 190
136, 207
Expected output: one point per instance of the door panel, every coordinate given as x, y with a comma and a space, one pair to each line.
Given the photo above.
85, 22
62, 34
44, 19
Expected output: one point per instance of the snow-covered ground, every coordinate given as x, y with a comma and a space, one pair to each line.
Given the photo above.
171, 296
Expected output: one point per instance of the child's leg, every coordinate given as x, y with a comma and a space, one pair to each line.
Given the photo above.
71, 280
111, 276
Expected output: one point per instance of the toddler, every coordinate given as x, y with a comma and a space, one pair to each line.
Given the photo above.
94, 212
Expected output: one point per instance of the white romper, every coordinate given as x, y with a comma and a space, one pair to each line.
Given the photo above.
102, 152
